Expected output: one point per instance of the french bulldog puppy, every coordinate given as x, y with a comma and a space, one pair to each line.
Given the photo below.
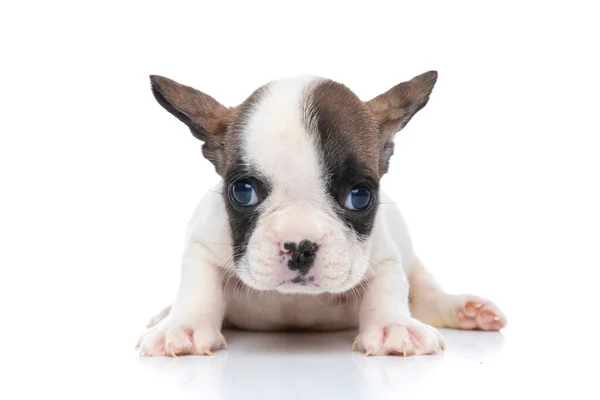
298, 234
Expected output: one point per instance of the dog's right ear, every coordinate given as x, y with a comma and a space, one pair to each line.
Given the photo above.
207, 118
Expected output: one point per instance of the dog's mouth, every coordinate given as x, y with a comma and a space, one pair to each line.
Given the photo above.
301, 280
299, 284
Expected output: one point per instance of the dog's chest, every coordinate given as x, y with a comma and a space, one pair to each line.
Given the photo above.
272, 311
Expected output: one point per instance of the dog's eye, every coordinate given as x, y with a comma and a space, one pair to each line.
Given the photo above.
359, 198
243, 194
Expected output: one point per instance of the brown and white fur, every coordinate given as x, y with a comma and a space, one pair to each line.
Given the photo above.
301, 146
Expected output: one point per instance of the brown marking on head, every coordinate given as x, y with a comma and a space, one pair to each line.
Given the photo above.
343, 125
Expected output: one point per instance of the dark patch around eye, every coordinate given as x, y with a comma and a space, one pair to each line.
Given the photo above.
343, 178
243, 220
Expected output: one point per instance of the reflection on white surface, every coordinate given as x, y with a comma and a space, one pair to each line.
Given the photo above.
321, 366
298, 365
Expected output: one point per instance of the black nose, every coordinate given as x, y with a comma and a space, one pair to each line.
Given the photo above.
303, 255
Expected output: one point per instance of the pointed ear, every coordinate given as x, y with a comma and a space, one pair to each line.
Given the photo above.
393, 109
207, 118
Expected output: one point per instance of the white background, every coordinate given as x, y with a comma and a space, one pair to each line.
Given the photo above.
498, 177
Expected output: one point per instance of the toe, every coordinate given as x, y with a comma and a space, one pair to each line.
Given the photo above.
152, 346
491, 318
177, 342
370, 342
465, 322
472, 308
205, 340
426, 340
397, 341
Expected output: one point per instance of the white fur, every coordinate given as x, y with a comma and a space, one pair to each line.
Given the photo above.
359, 284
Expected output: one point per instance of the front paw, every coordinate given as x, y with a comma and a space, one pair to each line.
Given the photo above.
406, 337
172, 338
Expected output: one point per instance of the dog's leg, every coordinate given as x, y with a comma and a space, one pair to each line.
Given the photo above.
193, 323
386, 326
431, 305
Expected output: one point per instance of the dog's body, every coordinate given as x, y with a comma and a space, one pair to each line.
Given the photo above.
271, 310
298, 234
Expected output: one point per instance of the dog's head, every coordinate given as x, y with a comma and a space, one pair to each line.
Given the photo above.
301, 160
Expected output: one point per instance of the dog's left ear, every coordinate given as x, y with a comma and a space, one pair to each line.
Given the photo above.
393, 109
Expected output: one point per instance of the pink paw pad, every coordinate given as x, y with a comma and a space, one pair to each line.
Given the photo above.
480, 314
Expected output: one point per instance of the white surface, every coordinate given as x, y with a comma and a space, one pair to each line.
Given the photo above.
299, 366
497, 178
321, 366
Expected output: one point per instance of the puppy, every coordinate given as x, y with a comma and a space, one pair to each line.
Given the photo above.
298, 233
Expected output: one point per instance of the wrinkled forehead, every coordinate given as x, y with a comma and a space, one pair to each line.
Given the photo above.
299, 131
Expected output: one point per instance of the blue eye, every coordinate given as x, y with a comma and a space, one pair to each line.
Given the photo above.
359, 199
243, 194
